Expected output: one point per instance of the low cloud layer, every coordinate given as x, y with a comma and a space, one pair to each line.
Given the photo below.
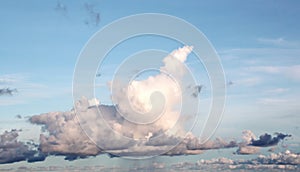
284, 161
280, 161
64, 136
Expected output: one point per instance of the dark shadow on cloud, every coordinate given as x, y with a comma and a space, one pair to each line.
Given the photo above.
39, 157
162, 140
72, 157
12, 150
267, 140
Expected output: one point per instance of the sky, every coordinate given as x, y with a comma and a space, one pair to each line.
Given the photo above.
258, 43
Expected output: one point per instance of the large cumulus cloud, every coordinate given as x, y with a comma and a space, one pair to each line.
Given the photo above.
90, 128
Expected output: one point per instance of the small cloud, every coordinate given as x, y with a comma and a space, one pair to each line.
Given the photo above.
8, 91
266, 69
277, 91
6, 81
276, 41
272, 101
246, 150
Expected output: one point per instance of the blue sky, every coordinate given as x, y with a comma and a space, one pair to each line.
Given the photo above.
258, 43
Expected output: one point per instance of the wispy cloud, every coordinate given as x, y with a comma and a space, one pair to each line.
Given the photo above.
249, 81
278, 42
26, 89
292, 71
272, 101
9, 79
260, 56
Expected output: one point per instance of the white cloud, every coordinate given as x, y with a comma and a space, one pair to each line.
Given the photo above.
113, 132
272, 101
277, 91
271, 41
138, 99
